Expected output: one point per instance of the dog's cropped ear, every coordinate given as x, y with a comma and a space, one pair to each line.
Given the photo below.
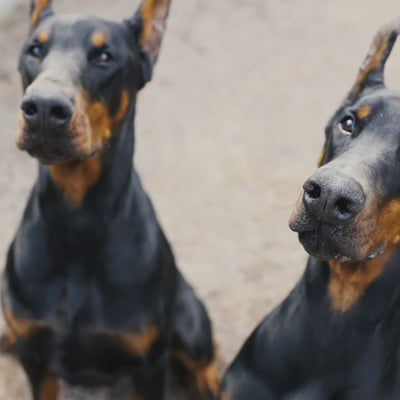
149, 23
153, 17
40, 9
371, 74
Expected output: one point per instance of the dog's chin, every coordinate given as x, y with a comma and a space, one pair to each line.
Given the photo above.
47, 155
53, 153
323, 246
317, 245
326, 242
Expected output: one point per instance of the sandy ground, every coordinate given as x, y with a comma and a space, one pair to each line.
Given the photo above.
227, 132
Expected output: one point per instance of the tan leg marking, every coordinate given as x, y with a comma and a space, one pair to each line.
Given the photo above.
205, 373
49, 389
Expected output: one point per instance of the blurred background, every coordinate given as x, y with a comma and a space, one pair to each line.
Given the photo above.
227, 132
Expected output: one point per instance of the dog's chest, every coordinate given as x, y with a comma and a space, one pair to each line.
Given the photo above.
78, 301
104, 287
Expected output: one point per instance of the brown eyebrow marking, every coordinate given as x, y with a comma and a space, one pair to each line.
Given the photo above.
43, 36
363, 112
98, 39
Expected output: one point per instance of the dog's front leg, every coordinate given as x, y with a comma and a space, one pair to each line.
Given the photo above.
152, 383
43, 385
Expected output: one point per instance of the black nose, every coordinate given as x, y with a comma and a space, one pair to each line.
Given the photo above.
332, 196
50, 112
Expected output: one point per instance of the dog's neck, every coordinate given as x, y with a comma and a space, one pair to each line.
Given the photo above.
94, 185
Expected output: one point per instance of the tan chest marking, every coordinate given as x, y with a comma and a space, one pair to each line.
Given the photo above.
348, 282
136, 344
74, 179
91, 127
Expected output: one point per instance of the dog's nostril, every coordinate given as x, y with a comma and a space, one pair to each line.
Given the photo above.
343, 205
60, 113
312, 189
29, 108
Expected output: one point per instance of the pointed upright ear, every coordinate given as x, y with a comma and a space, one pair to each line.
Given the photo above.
40, 9
371, 73
152, 15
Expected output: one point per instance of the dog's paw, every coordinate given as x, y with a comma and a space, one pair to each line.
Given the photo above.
206, 383
7, 342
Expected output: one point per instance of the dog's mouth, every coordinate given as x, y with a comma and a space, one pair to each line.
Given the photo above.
352, 241
55, 145
328, 244
53, 148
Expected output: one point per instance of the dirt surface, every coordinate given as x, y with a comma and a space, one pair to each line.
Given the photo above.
227, 132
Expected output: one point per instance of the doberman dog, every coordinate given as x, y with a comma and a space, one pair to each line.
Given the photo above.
337, 335
91, 291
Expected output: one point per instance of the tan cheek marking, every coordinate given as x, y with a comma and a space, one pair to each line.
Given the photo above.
40, 6
322, 156
363, 112
92, 124
349, 281
98, 40
388, 227
91, 128
100, 121
373, 64
22, 129
137, 344
43, 36
123, 106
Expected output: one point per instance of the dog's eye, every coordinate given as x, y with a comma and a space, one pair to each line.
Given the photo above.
102, 57
347, 125
35, 51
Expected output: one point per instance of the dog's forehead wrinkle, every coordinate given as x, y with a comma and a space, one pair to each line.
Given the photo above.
384, 96
74, 30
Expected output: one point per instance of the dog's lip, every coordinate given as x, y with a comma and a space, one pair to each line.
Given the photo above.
59, 157
302, 222
37, 146
314, 243
376, 251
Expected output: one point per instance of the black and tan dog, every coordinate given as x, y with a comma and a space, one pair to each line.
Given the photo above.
91, 291
337, 335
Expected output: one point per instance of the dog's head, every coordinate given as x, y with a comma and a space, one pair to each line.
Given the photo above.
80, 77
350, 207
